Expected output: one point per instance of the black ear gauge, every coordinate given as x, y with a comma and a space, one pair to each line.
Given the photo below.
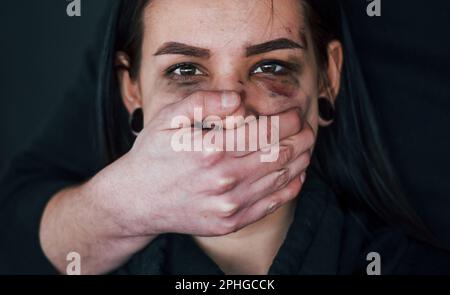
326, 109
137, 121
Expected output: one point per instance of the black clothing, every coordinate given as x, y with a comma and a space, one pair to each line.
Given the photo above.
323, 239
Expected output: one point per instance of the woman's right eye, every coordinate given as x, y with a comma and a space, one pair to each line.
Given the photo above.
185, 70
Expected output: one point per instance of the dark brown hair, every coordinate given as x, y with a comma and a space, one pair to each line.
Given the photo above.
130, 32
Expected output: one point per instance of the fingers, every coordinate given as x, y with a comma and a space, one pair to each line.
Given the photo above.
230, 217
278, 180
267, 205
302, 141
244, 181
253, 135
242, 204
198, 106
251, 168
237, 186
250, 135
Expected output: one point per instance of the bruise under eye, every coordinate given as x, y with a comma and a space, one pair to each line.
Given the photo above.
286, 86
278, 78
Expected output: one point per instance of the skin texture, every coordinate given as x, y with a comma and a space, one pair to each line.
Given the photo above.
227, 200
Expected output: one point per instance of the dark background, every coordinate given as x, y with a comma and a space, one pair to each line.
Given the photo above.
41, 52
405, 58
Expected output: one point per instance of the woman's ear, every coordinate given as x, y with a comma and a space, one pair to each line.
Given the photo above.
335, 61
129, 87
331, 83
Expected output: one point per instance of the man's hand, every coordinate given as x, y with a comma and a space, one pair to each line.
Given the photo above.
154, 189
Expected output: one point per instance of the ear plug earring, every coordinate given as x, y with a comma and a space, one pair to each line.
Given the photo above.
326, 109
137, 121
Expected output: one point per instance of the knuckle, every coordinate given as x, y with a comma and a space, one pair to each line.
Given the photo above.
227, 226
289, 193
223, 184
306, 159
228, 207
285, 155
282, 179
274, 204
292, 191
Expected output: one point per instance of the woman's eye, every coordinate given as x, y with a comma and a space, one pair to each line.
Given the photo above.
186, 70
270, 68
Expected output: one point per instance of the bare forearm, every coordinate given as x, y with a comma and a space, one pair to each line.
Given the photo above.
76, 220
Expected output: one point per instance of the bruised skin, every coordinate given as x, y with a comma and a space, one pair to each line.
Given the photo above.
283, 88
262, 95
277, 93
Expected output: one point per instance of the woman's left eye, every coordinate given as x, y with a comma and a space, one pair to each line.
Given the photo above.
270, 68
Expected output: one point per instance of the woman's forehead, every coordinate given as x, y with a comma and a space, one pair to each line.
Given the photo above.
217, 23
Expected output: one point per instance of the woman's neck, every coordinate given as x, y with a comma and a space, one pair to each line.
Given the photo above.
252, 249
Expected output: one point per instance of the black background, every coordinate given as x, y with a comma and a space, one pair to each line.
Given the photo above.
41, 51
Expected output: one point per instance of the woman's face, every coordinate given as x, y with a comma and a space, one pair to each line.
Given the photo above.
260, 51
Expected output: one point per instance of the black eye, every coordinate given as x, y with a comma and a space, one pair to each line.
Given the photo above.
270, 68
185, 70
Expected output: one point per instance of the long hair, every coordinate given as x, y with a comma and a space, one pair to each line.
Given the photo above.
349, 155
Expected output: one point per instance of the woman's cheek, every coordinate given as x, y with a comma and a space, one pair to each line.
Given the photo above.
273, 95
313, 116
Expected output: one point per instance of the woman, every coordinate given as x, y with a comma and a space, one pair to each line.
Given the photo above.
216, 212
351, 181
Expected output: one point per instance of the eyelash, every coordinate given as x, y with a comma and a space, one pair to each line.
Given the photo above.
286, 68
170, 72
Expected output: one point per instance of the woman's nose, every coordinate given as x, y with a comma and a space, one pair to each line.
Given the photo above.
230, 77
235, 83
228, 82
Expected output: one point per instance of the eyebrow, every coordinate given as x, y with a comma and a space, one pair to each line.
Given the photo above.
281, 43
183, 49
188, 50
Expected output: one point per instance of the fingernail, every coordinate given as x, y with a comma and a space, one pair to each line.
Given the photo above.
272, 207
303, 178
229, 99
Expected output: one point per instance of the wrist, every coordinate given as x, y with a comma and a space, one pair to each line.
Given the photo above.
116, 203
